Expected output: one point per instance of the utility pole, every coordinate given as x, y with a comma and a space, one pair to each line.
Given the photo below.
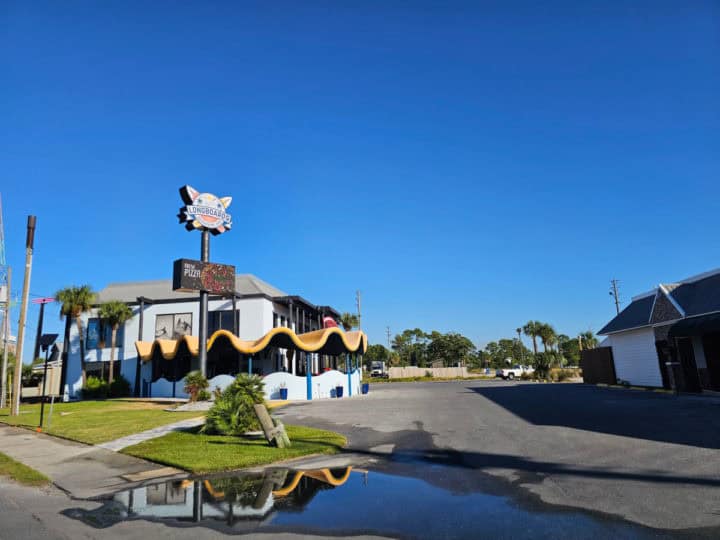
359, 312
17, 382
387, 333
615, 293
6, 336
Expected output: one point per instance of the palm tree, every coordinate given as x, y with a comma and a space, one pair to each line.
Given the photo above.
532, 330
115, 313
547, 335
588, 340
75, 301
348, 321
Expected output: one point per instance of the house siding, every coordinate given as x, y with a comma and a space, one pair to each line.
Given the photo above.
635, 356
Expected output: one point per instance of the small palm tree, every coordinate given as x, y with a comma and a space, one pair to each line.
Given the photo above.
75, 301
532, 330
348, 321
115, 313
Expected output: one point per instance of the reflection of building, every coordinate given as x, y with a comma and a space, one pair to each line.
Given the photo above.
258, 308
677, 323
233, 498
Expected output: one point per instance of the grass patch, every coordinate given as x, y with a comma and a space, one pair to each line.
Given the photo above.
93, 422
199, 453
21, 473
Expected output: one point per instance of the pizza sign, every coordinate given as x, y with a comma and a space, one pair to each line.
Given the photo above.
189, 276
204, 211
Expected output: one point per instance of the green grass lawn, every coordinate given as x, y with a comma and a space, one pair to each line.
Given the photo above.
21, 473
94, 422
200, 453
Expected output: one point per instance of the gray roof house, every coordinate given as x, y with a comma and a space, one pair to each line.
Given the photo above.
674, 323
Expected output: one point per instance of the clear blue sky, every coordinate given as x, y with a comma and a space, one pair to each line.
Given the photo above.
467, 166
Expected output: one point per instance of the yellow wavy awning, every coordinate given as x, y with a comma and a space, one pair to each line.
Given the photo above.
325, 341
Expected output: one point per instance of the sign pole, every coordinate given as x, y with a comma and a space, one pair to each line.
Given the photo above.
207, 213
202, 345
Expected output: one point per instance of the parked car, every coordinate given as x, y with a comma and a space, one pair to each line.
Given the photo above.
513, 372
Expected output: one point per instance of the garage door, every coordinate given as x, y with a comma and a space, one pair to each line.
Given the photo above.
636, 359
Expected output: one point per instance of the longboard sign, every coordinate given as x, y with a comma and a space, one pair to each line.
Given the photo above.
204, 211
190, 276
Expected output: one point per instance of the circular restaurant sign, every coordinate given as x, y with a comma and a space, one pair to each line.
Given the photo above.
204, 211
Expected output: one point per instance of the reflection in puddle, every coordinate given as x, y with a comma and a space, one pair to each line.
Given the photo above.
346, 501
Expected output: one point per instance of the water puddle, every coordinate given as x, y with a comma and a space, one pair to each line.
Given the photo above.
347, 501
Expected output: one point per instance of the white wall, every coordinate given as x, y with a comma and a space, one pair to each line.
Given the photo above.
635, 356
323, 386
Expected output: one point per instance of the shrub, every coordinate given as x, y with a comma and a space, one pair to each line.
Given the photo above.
233, 413
541, 363
527, 376
95, 388
564, 374
203, 395
428, 374
120, 387
195, 382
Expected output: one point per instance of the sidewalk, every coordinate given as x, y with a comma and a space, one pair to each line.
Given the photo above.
135, 438
82, 470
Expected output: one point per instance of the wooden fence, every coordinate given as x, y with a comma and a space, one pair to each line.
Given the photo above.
598, 366
442, 373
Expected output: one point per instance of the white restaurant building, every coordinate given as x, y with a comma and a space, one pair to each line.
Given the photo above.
159, 313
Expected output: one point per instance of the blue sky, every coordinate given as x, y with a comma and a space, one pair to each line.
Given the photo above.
467, 166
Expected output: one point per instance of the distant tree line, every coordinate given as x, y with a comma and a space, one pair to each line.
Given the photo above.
415, 347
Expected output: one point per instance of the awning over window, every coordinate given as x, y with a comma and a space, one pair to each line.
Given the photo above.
330, 341
696, 326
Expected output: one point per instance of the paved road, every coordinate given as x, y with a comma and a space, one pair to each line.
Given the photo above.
649, 458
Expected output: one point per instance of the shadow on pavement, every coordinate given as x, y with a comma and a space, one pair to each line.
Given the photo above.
636, 414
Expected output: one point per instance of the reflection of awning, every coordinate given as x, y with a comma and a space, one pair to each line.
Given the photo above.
326, 341
696, 326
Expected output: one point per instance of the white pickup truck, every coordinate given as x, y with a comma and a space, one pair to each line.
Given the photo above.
513, 372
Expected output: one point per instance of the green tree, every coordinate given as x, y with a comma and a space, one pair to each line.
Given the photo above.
499, 352
376, 353
348, 321
116, 313
532, 330
411, 347
588, 339
74, 302
570, 349
451, 348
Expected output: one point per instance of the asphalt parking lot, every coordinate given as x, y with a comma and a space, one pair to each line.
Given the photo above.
648, 458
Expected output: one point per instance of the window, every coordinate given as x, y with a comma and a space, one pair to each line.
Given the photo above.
275, 320
173, 325
221, 320
99, 334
